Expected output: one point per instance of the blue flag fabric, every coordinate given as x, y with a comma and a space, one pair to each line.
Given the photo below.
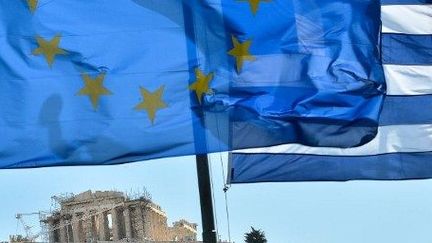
403, 147
319, 56
106, 82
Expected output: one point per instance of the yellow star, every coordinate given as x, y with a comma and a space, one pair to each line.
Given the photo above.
152, 102
94, 88
201, 85
254, 4
49, 49
32, 5
241, 53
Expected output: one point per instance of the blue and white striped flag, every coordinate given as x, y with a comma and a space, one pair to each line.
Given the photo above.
403, 147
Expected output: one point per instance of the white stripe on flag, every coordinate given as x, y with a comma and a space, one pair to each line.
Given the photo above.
408, 79
407, 19
390, 139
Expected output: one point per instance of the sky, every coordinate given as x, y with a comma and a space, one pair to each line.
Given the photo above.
301, 212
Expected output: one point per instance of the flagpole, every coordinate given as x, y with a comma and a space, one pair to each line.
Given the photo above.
202, 163
207, 216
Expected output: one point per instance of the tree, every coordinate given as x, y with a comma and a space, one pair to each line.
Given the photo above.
255, 236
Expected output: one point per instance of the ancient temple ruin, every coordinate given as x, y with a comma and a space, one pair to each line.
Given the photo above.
112, 216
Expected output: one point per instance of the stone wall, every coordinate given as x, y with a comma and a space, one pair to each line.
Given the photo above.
156, 226
183, 231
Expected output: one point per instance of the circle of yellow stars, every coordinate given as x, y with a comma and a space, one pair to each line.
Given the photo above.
152, 102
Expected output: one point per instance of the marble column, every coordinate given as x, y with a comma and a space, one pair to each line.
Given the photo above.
88, 226
76, 228
103, 227
115, 224
63, 230
140, 221
127, 221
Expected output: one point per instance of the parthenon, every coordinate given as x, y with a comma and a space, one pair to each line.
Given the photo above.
112, 216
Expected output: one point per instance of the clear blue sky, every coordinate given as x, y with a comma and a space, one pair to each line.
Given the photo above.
354, 212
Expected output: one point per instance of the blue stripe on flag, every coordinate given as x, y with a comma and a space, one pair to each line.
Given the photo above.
407, 108
407, 49
404, 2
299, 167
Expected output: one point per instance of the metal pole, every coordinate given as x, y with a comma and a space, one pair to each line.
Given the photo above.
208, 225
207, 216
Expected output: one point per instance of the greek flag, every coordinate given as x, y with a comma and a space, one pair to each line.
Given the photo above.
403, 147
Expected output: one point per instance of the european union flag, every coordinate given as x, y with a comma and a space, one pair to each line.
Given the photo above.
107, 82
403, 147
